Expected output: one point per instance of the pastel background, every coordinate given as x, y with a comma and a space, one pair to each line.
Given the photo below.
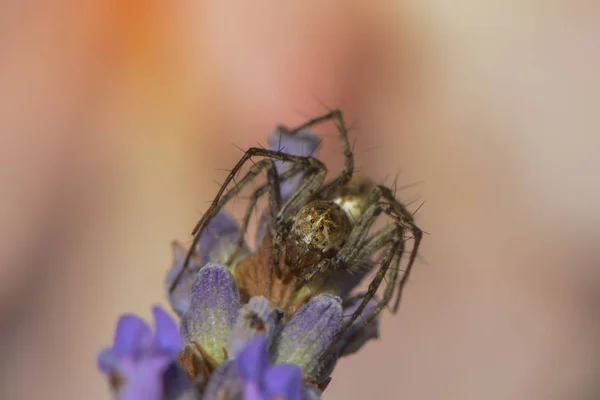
115, 117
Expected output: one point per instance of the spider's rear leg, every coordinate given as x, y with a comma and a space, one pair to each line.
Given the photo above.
346, 175
360, 247
395, 241
387, 236
223, 197
391, 237
389, 289
404, 218
393, 254
361, 228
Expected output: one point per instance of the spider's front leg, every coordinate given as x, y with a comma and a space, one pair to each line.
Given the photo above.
223, 197
265, 188
346, 175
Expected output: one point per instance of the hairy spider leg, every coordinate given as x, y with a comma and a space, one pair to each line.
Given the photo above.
394, 246
358, 248
352, 255
222, 198
253, 200
389, 289
309, 187
402, 217
346, 175
352, 251
406, 219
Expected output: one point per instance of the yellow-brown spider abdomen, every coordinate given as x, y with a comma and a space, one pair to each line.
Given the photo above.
320, 227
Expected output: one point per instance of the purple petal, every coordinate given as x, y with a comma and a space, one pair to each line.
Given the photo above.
356, 336
168, 337
132, 339
284, 380
343, 282
255, 319
107, 360
140, 358
180, 297
310, 332
328, 367
312, 393
177, 383
143, 378
252, 392
303, 143
219, 239
224, 383
214, 308
358, 333
253, 360
132, 335
217, 244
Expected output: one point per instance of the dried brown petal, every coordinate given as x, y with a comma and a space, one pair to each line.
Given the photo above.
197, 362
256, 276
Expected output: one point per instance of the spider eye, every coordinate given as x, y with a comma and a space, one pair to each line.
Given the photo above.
321, 227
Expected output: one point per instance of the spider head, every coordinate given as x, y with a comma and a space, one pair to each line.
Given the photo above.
319, 228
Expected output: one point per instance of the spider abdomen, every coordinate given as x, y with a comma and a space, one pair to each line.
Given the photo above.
354, 197
319, 227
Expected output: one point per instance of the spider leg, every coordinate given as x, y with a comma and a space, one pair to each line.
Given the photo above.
402, 217
405, 219
389, 289
393, 251
272, 186
375, 242
307, 187
359, 247
389, 235
258, 193
223, 197
394, 246
345, 176
363, 225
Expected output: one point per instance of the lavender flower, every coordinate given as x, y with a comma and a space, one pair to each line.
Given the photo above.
244, 333
138, 360
217, 244
215, 336
265, 381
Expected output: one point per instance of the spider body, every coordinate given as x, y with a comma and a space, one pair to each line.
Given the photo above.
353, 198
319, 227
322, 227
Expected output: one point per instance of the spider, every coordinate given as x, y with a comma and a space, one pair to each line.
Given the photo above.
323, 227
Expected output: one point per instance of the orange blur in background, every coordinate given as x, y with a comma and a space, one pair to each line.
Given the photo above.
115, 118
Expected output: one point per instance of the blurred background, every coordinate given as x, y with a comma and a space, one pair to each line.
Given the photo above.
116, 116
